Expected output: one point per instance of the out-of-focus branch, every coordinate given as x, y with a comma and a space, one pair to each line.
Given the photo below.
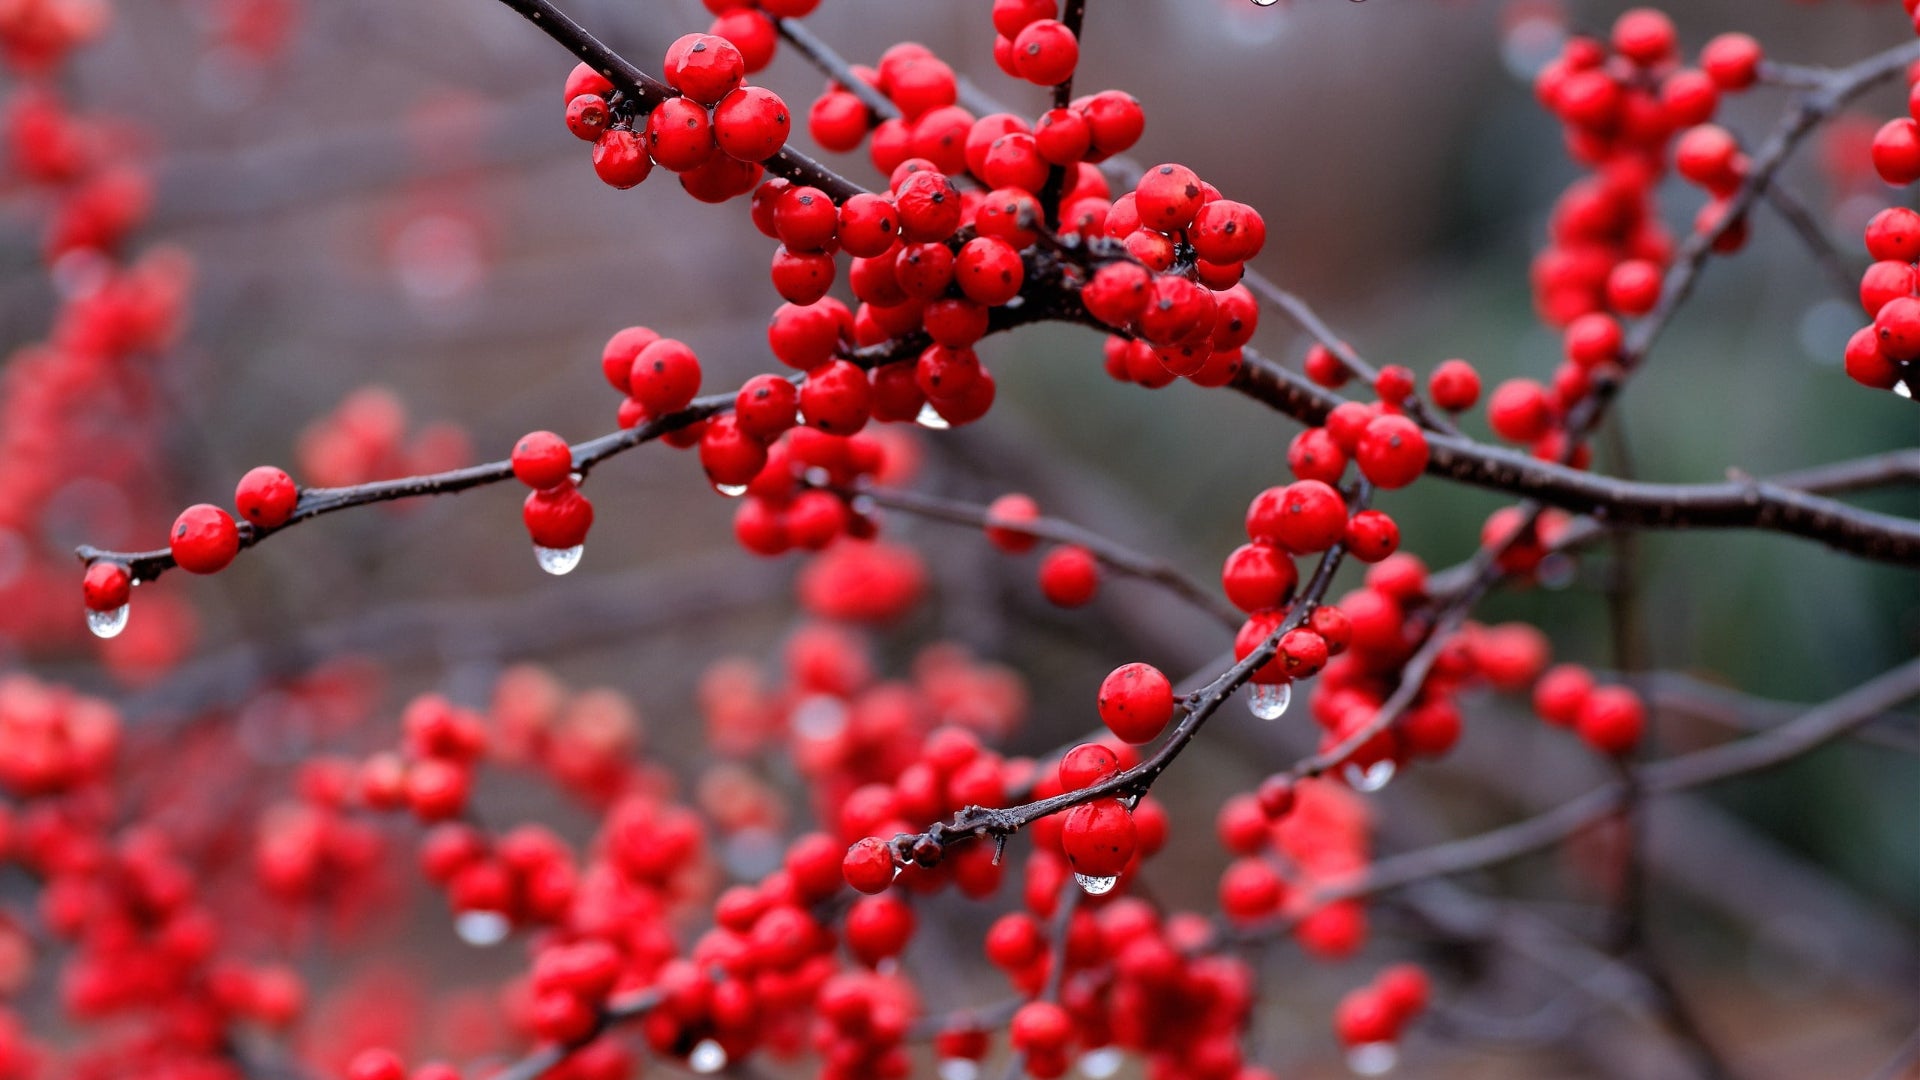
1783, 744
822, 56
1122, 559
1793, 210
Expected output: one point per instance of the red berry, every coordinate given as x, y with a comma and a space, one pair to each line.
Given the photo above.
1896, 151
1454, 385
679, 135
1303, 517
989, 271
542, 459
705, 68
1393, 452
731, 457
1250, 890
1136, 702
587, 116
929, 207
1732, 61
766, 406
1363, 1017
1371, 536
1302, 653
1897, 327
1040, 1027
836, 397
1069, 575
616, 359
106, 586
584, 80
1393, 383
1258, 576
1098, 838
1405, 990
266, 496
1562, 693
204, 539
1519, 410
1045, 52
1086, 765
1012, 508
1325, 368
869, 225
751, 124
1225, 231
868, 865
1633, 287
665, 377
1168, 197
1611, 719
1894, 233
557, 517
620, 158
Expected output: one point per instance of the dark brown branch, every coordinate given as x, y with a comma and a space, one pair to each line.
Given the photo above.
1735, 504
1309, 320
1793, 210
975, 822
647, 92
1124, 560
314, 502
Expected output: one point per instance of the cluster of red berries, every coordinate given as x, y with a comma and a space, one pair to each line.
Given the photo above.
1610, 718
1378, 1012
714, 132
1177, 296
365, 439
1288, 840
1627, 104
1885, 355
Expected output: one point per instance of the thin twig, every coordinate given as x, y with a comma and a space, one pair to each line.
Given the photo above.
1793, 210
834, 66
1121, 559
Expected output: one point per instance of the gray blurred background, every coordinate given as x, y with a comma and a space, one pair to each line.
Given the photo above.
394, 200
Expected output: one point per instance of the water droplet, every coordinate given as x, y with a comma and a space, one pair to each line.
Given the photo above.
931, 419
731, 491
1373, 1059
959, 1069
1096, 886
482, 929
818, 717
1370, 779
708, 1057
558, 560
1269, 701
1904, 389
1102, 1063
106, 624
